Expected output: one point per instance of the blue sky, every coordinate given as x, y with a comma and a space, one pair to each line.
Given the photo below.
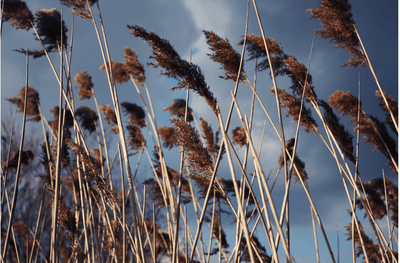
182, 22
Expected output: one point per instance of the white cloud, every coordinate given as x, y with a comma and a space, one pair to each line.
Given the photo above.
208, 15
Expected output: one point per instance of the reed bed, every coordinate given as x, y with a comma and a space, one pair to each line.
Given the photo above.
94, 203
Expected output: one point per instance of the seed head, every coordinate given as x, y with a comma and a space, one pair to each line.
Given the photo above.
85, 85
224, 54
18, 13
133, 66
178, 107
48, 24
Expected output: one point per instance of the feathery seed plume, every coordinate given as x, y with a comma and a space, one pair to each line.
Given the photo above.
32, 103
293, 106
79, 7
111, 119
93, 172
257, 246
189, 75
18, 13
211, 140
239, 136
168, 136
344, 102
136, 140
120, 74
85, 85
371, 248
298, 75
344, 138
375, 132
12, 162
68, 123
225, 55
296, 161
136, 114
338, 25
187, 137
87, 117
133, 66
96, 153
393, 107
48, 24
178, 108
255, 46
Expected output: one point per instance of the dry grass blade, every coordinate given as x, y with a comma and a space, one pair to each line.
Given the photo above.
21, 147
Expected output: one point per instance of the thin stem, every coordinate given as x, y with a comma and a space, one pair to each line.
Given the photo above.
21, 147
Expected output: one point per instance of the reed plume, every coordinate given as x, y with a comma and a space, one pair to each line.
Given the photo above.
187, 74
79, 7
135, 114
72, 183
338, 25
375, 132
93, 172
32, 103
224, 54
178, 108
85, 85
18, 14
393, 107
66, 220
211, 140
111, 119
345, 103
133, 66
12, 162
155, 192
255, 46
168, 136
298, 75
87, 117
96, 153
293, 106
372, 249
173, 177
239, 136
296, 161
135, 138
376, 196
120, 74
259, 248
199, 160
48, 24
344, 138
